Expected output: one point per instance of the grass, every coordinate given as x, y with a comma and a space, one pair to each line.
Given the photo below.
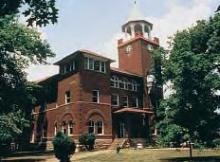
145, 155
125, 155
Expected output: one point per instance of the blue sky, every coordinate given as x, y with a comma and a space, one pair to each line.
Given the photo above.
96, 25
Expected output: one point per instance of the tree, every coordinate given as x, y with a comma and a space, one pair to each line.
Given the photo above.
64, 147
41, 12
19, 46
194, 70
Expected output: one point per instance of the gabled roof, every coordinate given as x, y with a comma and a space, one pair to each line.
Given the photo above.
83, 52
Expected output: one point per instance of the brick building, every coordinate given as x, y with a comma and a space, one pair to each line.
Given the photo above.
90, 96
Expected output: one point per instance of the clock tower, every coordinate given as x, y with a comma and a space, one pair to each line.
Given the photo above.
135, 48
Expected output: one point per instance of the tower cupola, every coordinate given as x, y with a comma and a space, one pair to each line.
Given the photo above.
136, 25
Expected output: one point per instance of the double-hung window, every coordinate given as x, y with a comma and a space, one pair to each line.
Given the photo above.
115, 100
95, 65
67, 97
125, 101
95, 96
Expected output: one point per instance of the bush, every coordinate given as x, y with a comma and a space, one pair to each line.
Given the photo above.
64, 147
216, 142
172, 134
88, 140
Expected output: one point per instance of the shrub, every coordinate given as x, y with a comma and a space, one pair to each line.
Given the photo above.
172, 134
88, 140
216, 142
64, 147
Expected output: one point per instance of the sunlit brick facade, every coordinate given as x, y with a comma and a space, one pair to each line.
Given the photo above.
90, 96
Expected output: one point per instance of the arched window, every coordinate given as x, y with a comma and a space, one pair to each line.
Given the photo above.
63, 127
91, 126
70, 127
55, 129
128, 30
114, 81
99, 127
138, 28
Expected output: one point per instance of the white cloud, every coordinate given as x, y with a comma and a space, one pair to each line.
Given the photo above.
109, 48
178, 17
38, 72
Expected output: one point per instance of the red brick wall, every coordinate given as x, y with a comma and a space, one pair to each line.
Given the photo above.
138, 59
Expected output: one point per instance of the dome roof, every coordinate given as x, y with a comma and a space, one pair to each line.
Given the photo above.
135, 14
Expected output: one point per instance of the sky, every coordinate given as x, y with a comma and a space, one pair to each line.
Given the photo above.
96, 25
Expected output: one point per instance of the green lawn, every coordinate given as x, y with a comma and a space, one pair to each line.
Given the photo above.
131, 155
126, 155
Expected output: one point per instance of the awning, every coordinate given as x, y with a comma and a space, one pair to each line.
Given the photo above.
133, 110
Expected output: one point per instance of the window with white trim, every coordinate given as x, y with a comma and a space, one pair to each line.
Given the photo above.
70, 127
91, 127
115, 100
63, 127
134, 102
134, 85
95, 96
55, 129
96, 65
99, 127
122, 84
114, 81
67, 97
69, 67
125, 101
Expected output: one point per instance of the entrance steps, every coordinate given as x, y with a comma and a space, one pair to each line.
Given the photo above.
121, 142
125, 143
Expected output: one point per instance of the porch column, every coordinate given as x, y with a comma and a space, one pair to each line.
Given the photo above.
128, 126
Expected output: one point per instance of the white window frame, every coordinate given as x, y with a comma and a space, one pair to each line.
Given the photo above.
97, 126
73, 65
103, 65
97, 97
134, 85
136, 102
115, 81
117, 97
90, 62
55, 129
63, 127
67, 98
70, 126
126, 101
90, 65
91, 124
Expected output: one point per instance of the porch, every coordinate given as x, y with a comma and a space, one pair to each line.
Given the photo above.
131, 123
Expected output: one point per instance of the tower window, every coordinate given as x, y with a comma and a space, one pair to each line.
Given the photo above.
128, 49
95, 96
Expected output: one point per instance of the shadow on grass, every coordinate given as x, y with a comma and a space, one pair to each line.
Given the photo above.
194, 159
24, 160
